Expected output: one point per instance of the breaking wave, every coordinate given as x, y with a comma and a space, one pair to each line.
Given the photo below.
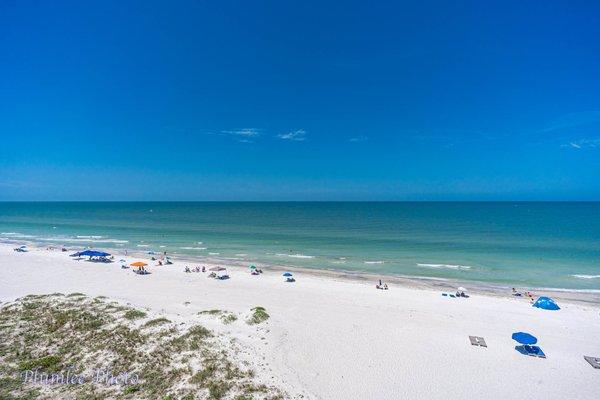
448, 266
581, 276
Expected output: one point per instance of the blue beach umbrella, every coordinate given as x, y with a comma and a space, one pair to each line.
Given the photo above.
252, 267
287, 274
546, 303
524, 338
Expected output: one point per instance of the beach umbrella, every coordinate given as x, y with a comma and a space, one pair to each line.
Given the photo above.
216, 269
252, 267
138, 264
524, 338
546, 303
288, 274
78, 254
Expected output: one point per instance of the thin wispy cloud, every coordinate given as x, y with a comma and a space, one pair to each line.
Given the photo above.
246, 132
297, 135
358, 139
243, 135
583, 143
573, 120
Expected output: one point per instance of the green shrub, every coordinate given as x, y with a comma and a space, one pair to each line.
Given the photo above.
134, 314
156, 322
48, 363
258, 316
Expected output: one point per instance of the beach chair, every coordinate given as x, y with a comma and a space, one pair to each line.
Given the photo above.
477, 341
533, 351
594, 361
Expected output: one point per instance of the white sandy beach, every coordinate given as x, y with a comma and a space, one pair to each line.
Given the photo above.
342, 339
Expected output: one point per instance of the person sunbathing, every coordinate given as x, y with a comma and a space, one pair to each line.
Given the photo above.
187, 269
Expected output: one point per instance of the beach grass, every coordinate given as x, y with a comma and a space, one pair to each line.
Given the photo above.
134, 314
259, 315
51, 333
225, 316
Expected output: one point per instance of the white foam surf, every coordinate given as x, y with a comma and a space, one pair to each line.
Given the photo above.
300, 256
581, 276
80, 240
448, 266
192, 248
17, 235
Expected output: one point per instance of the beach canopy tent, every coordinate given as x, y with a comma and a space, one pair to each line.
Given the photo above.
546, 303
93, 253
217, 269
524, 338
287, 274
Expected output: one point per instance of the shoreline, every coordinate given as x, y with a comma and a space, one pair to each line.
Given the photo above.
334, 336
584, 296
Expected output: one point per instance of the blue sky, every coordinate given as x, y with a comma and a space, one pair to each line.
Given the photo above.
221, 100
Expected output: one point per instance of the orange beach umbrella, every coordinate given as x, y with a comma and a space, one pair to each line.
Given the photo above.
138, 264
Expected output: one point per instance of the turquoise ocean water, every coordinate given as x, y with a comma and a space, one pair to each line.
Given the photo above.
535, 244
